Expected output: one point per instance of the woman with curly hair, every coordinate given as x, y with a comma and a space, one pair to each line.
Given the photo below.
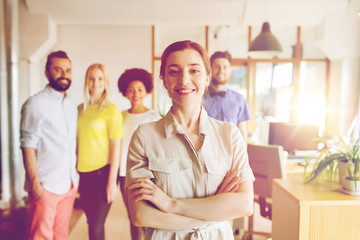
134, 84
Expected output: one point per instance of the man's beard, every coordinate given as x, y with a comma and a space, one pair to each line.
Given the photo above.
216, 81
58, 85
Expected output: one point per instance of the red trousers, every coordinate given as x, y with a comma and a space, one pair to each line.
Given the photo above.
50, 215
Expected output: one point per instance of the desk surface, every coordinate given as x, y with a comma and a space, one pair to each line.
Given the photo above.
311, 212
318, 193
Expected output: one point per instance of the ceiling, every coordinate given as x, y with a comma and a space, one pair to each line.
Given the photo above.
202, 12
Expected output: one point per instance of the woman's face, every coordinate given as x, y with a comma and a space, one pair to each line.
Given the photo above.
96, 82
185, 77
136, 92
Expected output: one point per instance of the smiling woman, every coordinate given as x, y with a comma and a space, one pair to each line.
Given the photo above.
190, 160
134, 84
186, 78
98, 148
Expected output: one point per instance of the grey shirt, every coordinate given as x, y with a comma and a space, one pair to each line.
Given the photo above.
48, 124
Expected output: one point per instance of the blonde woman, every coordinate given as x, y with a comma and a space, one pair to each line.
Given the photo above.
98, 139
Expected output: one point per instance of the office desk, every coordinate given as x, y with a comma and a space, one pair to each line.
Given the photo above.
307, 212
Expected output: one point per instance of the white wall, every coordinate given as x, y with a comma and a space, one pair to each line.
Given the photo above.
117, 47
129, 45
349, 93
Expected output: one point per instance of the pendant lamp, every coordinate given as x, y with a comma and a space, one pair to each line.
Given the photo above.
266, 43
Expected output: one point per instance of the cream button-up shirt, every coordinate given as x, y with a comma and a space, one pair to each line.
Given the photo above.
162, 151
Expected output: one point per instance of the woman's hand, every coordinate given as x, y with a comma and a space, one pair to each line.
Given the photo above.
145, 189
111, 191
230, 183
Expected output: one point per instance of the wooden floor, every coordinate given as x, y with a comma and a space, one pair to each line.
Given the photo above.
117, 224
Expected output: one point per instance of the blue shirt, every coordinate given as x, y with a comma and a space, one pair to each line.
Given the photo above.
230, 108
48, 124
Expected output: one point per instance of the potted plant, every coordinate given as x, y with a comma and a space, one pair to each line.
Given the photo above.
338, 159
349, 173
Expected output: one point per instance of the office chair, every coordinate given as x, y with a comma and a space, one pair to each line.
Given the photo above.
267, 163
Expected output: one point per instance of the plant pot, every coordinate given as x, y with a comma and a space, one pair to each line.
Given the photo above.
343, 171
349, 186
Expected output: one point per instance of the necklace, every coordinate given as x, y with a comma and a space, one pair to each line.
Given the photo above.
201, 137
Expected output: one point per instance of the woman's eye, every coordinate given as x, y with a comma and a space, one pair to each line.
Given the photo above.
194, 71
173, 72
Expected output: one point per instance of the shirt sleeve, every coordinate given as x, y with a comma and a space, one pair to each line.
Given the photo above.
240, 156
30, 125
244, 112
137, 163
114, 123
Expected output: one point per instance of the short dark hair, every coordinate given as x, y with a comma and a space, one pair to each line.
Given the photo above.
216, 55
182, 45
134, 74
57, 54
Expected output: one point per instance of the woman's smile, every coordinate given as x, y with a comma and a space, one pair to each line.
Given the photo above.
184, 91
186, 77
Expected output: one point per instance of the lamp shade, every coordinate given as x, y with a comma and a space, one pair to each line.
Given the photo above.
266, 42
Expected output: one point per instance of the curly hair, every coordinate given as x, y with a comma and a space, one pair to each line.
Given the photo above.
135, 74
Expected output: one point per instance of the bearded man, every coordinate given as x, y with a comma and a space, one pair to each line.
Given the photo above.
222, 103
48, 143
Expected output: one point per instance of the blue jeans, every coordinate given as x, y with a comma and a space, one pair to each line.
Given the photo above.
93, 200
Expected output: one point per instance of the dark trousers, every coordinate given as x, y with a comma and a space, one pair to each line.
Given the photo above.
93, 200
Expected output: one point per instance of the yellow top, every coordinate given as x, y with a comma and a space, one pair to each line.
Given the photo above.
94, 130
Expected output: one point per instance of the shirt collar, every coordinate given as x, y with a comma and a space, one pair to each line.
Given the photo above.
211, 91
172, 127
58, 95
225, 89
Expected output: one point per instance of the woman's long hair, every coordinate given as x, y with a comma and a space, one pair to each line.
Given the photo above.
105, 96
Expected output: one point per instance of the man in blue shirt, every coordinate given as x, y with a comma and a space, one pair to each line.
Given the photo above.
222, 103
